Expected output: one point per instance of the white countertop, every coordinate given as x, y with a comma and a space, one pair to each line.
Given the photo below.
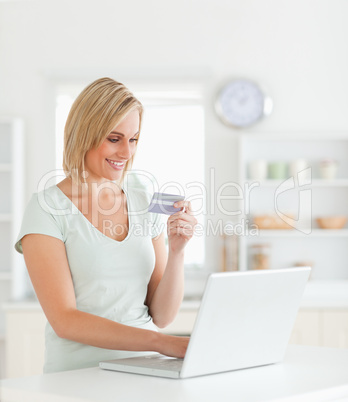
307, 374
318, 294
325, 294
329, 294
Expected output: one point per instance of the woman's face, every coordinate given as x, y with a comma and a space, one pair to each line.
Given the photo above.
108, 161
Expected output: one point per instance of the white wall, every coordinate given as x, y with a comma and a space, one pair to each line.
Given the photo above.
297, 49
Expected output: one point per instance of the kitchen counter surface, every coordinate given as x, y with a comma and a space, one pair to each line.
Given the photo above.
307, 374
318, 294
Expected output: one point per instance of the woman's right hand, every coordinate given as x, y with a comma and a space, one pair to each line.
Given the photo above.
173, 346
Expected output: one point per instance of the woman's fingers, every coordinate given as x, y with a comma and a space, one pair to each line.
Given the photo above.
174, 346
185, 205
184, 232
182, 223
182, 227
181, 218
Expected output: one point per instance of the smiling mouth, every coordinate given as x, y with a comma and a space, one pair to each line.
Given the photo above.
116, 163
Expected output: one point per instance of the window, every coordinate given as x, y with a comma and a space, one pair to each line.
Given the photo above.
170, 154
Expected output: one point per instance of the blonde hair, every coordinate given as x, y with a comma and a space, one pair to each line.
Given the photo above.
96, 111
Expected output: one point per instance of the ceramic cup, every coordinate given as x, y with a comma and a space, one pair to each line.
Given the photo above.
328, 169
258, 169
278, 170
297, 166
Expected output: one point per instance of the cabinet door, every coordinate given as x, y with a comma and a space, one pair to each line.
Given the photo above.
307, 329
335, 331
25, 343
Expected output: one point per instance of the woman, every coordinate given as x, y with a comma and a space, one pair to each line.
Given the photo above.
103, 286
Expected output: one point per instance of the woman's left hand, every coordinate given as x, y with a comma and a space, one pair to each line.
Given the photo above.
180, 226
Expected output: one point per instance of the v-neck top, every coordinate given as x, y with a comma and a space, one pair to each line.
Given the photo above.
110, 277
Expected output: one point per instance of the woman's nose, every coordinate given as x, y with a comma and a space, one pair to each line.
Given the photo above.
125, 150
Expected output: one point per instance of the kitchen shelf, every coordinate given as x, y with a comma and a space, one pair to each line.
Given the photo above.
12, 267
326, 249
5, 217
5, 276
5, 167
329, 183
297, 233
314, 183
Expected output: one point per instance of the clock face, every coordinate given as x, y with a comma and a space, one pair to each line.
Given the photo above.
241, 103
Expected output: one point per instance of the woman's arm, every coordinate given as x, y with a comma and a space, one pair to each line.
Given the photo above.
48, 267
166, 287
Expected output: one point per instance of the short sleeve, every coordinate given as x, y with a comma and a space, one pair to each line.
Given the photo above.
38, 220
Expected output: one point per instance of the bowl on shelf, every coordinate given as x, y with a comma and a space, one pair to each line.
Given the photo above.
331, 222
271, 221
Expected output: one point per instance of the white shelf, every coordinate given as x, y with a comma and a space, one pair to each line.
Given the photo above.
5, 167
297, 233
12, 169
24, 305
5, 276
311, 137
327, 249
314, 183
5, 217
329, 183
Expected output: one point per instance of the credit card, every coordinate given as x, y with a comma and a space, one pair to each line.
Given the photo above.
162, 203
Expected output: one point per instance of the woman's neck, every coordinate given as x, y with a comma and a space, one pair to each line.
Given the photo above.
91, 189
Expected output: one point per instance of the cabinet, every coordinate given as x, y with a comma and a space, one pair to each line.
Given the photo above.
308, 329
25, 340
336, 325
12, 268
184, 321
327, 327
26, 332
294, 200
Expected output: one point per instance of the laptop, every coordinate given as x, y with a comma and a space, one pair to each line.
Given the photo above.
245, 320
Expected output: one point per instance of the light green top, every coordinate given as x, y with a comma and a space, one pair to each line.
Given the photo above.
110, 278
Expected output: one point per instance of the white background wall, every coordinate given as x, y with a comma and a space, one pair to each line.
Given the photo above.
297, 49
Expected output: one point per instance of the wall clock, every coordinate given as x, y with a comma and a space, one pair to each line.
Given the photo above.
242, 103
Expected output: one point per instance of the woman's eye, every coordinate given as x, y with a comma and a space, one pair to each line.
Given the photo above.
114, 140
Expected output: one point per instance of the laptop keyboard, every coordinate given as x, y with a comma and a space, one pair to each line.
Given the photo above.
161, 363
